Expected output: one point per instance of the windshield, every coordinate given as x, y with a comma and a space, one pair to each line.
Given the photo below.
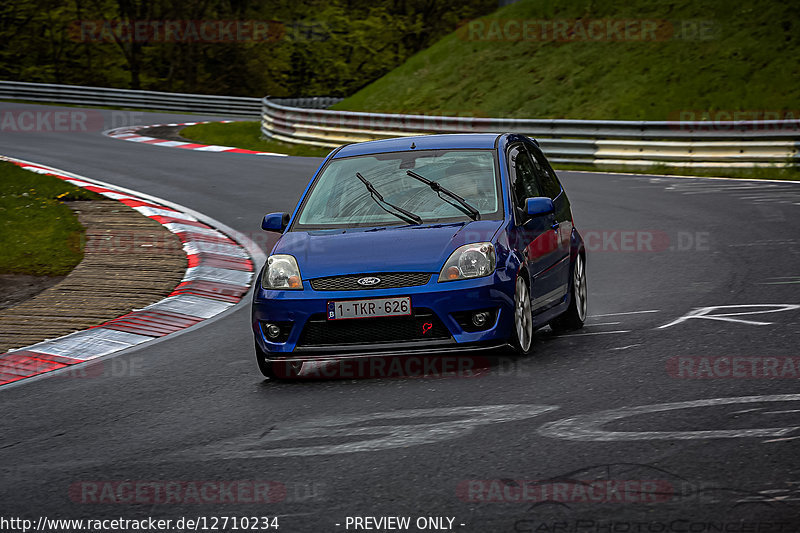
339, 199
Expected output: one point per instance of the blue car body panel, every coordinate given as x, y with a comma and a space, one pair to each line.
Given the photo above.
542, 249
320, 255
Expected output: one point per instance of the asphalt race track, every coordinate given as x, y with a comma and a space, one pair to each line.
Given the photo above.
195, 408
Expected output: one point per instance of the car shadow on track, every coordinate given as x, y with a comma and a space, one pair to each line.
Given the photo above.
464, 365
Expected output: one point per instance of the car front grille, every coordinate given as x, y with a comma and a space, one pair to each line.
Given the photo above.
321, 332
389, 280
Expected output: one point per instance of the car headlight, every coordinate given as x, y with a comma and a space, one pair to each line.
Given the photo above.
282, 273
469, 261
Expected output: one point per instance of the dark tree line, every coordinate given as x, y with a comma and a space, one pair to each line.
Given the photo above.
300, 48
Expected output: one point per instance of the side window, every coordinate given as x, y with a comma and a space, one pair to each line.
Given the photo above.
523, 174
545, 176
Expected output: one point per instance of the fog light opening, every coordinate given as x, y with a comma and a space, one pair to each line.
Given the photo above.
479, 319
273, 331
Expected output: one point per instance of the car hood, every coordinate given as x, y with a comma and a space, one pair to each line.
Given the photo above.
371, 250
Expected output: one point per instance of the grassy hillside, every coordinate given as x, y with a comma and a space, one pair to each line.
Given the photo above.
702, 55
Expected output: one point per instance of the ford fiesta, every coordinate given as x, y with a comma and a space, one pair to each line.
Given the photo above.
428, 244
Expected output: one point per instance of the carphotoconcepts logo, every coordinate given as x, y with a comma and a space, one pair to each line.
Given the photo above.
722, 120
177, 492
175, 31
673, 525
568, 491
587, 30
733, 367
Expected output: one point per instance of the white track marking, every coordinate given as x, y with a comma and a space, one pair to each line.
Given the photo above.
89, 343
703, 313
781, 440
187, 304
625, 347
589, 427
130, 133
597, 333
401, 434
747, 411
627, 313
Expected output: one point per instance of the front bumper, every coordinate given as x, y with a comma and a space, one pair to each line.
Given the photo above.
294, 311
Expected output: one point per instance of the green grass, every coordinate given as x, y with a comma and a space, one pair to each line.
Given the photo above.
39, 235
749, 60
246, 135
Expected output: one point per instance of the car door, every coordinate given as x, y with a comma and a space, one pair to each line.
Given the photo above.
561, 222
534, 238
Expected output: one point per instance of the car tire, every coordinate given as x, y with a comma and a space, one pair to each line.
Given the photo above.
575, 315
523, 318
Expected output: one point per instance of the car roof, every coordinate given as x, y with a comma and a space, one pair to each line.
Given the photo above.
421, 142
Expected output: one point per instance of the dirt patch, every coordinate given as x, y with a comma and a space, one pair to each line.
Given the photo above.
169, 133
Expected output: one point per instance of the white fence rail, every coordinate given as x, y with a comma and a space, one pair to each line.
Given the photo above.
599, 142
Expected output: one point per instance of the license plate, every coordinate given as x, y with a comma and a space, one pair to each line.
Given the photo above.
374, 307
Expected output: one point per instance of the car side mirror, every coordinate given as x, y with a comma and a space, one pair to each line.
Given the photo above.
539, 206
275, 222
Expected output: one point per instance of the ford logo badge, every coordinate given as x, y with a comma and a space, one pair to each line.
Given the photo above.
369, 281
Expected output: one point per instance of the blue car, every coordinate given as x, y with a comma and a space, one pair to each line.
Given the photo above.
432, 244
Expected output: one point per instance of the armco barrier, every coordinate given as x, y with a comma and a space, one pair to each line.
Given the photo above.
599, 142
102, 96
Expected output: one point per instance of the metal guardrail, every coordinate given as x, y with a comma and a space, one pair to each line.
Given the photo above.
101, 96
598, 142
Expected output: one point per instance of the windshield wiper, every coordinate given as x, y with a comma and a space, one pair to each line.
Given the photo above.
464, 206
399, 212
